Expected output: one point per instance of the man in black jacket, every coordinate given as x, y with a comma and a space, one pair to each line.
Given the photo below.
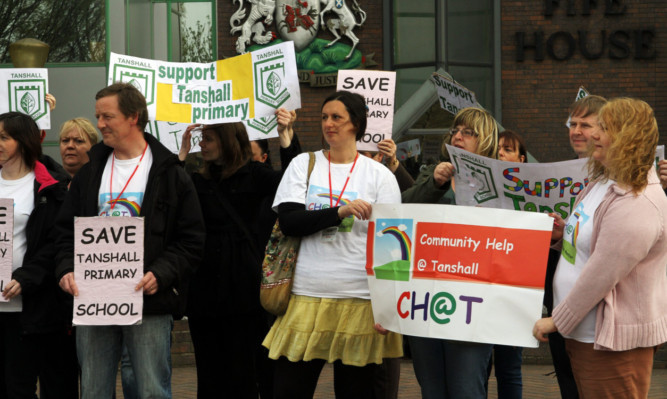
132, 167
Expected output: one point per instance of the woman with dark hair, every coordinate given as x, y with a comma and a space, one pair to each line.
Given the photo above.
34, 320
511, 147
329, 317
610, 286
227, 323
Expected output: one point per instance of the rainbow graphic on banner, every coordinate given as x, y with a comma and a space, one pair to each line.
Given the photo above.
393, 249
403, 239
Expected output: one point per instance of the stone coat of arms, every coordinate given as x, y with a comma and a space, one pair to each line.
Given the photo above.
295, 20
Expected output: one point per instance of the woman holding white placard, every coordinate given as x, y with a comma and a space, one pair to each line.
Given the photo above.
34, 321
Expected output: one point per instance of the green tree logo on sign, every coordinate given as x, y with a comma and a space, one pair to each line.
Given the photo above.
28, 96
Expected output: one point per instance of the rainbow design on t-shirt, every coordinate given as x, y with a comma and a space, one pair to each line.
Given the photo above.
403, 239
334, 198
132, 207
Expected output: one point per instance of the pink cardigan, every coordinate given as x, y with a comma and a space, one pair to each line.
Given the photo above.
626, 274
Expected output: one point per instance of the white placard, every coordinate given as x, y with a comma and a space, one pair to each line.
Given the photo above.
538, 187
247, 86
108, 265
453, 96
378, 87
408, 149
457, 272
24, 90
6, 242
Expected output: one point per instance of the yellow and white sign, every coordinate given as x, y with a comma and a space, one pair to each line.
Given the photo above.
248, 86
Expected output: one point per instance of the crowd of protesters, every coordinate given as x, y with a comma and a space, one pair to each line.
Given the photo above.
205, 232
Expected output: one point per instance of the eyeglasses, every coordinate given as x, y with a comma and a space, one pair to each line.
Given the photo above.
465, 132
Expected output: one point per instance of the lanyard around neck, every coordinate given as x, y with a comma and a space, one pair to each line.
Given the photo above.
113, 157
346, 180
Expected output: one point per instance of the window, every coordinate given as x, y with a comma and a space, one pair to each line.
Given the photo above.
181, 31
457, 36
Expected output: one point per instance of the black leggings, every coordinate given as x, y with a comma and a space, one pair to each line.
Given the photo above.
298, 380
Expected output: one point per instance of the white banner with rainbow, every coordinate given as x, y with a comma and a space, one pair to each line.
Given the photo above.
457, 272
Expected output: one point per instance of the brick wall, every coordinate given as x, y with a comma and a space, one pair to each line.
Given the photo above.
536, 95
308, 118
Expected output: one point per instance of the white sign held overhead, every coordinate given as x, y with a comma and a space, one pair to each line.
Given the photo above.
24, 90
378, 87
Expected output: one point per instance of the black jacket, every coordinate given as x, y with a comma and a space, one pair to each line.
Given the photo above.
174, 227
45, 306
229, 277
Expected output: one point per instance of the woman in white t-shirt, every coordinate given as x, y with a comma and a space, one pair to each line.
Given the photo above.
329, 317
610, 286
34, 314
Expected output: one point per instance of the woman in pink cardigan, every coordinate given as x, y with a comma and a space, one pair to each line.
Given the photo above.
610, 287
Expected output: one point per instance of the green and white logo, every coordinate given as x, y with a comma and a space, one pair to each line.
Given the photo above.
478, 178
263, 125
28, 97
141, 78
269, 77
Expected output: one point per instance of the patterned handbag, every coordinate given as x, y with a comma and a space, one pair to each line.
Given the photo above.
279, 265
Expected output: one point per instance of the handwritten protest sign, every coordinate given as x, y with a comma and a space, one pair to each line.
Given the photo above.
6, 242
378, 88
456, 272
543, 187
408, 149
453, 96
108, 265
251, 85
24, 90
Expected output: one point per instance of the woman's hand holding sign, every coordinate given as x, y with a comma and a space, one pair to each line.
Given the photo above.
544, 327
443, 173
359, 208
559, 225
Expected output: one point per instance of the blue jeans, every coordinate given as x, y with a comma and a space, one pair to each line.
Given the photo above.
99, 349
127, 378
450, 369
507, 360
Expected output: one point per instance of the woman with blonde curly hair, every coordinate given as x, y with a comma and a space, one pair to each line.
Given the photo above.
77, 136
447, 368
610, 287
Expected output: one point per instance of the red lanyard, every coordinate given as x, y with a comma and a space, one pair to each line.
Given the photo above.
346, 180
113, 157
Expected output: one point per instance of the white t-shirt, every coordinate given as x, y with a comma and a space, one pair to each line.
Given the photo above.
129, 204
335, 269
574, 255
22, 191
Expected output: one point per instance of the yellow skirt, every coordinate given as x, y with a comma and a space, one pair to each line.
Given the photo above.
330, 329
